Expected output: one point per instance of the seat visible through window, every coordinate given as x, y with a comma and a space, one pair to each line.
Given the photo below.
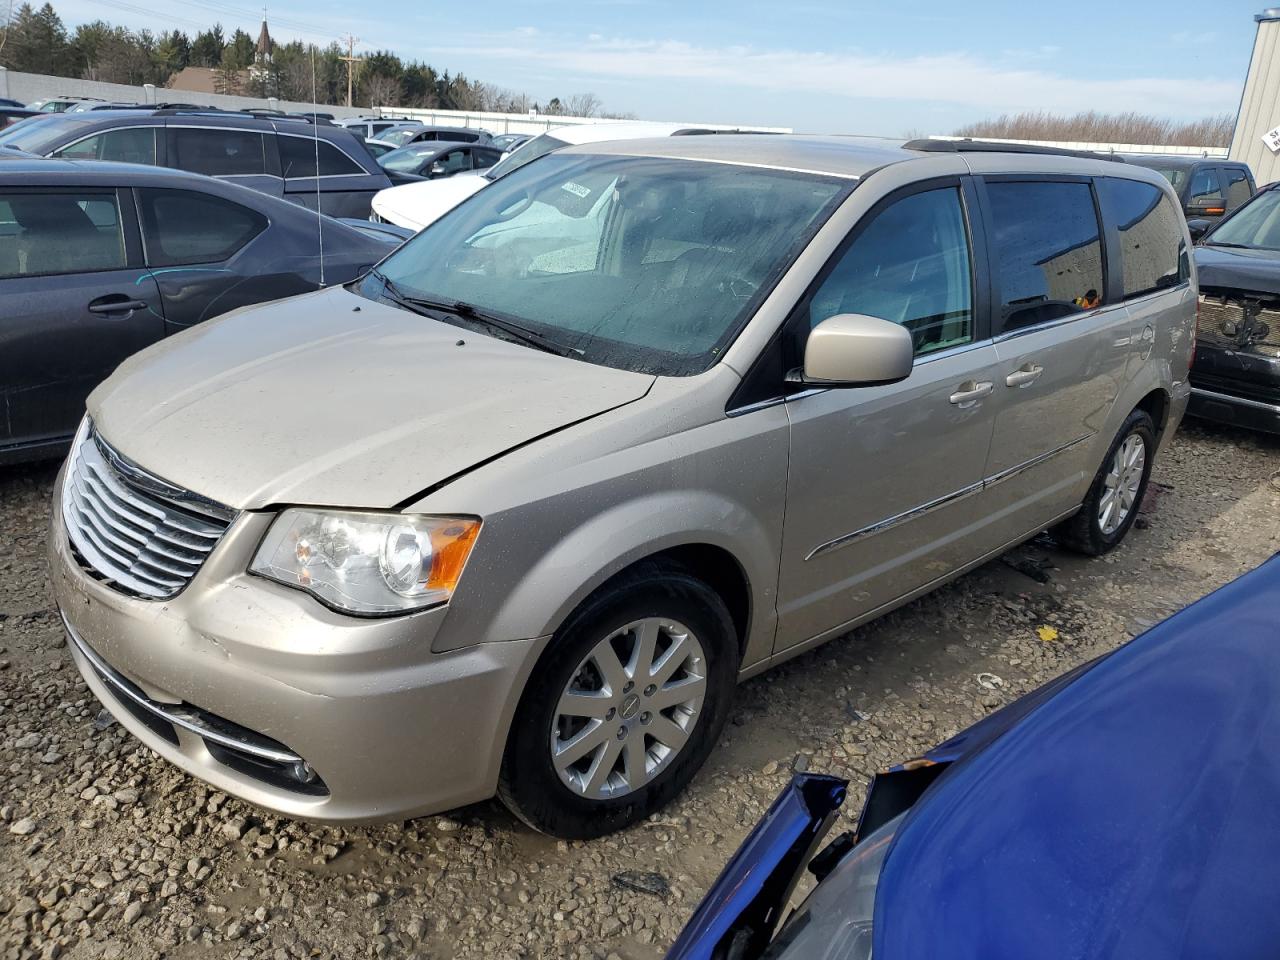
59, 233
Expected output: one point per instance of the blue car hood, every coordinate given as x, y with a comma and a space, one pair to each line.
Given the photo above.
1134, 813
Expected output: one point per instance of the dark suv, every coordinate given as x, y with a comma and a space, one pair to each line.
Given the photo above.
1207, 188
276, 155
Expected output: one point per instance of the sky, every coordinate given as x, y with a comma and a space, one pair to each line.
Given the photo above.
879, 68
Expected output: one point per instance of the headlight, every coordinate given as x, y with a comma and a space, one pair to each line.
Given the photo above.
835, 921
368, 563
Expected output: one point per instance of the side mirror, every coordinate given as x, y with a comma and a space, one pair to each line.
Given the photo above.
437, 169
1205, 209
854, 350
1198, 227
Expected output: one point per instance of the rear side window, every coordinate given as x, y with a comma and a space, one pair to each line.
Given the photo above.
453, 162
483, 157
127, 145
63, 232
182, 227
217, 153
910, 265
1238, 189
1153, 254
298, 159
1048, 250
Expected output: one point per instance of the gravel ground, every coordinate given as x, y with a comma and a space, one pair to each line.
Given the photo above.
108, 851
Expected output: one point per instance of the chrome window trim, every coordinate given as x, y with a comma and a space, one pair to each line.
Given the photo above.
155, 143
187, 718
1060, 322
880, 526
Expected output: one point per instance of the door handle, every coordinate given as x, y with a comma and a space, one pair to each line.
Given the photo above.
971, 392
1025, 375
115, 303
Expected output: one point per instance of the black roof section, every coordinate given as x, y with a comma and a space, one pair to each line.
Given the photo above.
991, 146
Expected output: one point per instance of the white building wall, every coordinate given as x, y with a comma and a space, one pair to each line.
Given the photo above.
1260, 102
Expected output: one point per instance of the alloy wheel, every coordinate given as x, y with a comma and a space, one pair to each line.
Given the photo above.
629, 708
1121, 484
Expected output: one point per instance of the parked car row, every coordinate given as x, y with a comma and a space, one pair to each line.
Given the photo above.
509, 509
308, 163
98, 260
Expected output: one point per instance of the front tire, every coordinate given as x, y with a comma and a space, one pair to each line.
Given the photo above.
624, 707
1112, 503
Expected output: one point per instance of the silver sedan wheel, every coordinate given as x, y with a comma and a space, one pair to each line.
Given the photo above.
629, 709
1121, 483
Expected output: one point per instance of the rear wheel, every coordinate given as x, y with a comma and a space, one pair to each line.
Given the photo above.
623, 708
1113, 500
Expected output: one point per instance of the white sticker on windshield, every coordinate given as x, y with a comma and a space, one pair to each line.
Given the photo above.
577, 189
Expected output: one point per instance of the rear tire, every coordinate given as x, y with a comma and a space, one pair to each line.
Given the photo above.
624, 707
1112, 503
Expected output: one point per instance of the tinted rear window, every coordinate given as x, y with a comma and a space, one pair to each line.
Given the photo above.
298, 158
182, 227
1048, 250
1153, 254
217, 153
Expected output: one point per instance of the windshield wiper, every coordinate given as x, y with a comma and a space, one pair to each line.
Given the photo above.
1224, 243
466, 311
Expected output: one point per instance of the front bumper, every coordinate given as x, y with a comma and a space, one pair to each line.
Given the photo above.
388, 729
1247, 412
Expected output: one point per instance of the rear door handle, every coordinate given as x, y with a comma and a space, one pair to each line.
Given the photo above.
115, 303
971, 392
1025, 375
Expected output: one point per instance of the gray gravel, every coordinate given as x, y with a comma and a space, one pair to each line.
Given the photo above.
107, 851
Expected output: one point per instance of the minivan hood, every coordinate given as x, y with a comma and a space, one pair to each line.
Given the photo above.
332, 399
415, 205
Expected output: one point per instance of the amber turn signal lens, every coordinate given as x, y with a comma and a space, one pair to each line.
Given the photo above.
450, 547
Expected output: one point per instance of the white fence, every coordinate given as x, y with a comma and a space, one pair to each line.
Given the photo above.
28, 87
1216, 152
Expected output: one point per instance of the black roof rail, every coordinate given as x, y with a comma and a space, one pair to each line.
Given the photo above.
929, 145
708, 131
187, 110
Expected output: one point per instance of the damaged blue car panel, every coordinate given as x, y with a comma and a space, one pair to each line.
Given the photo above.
1129, 809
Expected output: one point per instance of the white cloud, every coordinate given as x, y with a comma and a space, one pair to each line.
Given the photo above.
1053, 83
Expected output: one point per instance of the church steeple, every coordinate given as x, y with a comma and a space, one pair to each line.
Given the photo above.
262, 53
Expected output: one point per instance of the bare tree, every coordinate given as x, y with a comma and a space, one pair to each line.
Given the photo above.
582, 105
381, 91
1094, 127
294, 79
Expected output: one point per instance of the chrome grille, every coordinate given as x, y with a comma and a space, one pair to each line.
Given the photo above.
1225, 323
135, 532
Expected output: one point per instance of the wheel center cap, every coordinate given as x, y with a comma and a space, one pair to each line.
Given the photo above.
630, 706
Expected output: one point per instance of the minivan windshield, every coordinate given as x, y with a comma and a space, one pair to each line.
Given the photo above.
642, 263
1256, 225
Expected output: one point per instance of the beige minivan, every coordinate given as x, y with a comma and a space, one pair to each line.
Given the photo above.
514, 512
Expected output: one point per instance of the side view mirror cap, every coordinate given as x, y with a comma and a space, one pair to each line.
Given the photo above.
1198, 228
855, 350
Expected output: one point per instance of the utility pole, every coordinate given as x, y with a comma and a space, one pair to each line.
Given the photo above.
351, 60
